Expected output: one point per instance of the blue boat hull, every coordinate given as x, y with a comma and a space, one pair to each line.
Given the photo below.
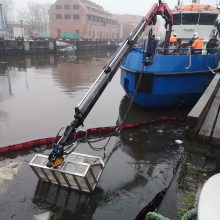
169, 80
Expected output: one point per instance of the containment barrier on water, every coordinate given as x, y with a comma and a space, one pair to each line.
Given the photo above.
92, 131
78, 171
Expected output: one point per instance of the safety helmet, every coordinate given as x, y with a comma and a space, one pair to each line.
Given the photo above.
174, 34
196, 35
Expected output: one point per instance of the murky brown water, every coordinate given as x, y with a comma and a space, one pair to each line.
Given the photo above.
37, 98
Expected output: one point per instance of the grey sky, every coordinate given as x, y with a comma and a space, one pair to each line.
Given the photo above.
139, 7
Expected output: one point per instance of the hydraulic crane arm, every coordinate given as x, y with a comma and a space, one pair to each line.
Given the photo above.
108, 72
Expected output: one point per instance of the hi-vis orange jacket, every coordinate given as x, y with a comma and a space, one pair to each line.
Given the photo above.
198, 43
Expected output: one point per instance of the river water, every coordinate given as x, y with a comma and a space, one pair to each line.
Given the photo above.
37, 98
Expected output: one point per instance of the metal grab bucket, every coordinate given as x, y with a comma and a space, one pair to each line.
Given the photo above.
78, 171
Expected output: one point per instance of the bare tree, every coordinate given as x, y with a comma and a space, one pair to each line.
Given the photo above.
35, 15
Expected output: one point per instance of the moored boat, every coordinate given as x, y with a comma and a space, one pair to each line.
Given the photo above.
169, 76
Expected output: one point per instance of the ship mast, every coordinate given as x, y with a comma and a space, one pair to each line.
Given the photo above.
196, 1
180, 2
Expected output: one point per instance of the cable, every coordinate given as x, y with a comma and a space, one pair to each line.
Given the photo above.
96, 148
57, 134
119, 129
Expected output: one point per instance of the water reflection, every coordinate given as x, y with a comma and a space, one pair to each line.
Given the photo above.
81, 206
139, 114
74, 76
23, 63
45, 81
141, 160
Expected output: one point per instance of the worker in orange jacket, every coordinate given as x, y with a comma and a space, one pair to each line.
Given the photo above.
197, 45
173, 39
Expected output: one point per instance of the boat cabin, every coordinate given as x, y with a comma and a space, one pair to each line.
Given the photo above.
199, 18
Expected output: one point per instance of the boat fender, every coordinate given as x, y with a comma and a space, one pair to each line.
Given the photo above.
190, 214
155, 216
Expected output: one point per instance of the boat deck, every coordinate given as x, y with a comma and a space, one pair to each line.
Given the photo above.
203, 121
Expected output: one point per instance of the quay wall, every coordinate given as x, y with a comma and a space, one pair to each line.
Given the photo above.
20, 46
30, 47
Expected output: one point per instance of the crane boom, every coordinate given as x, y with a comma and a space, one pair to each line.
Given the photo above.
108, 72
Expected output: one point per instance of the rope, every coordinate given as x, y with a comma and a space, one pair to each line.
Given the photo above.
187, 216
155, 216
190, 214
119, 128
97, 148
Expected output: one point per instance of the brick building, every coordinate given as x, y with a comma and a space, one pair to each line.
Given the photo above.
82, 19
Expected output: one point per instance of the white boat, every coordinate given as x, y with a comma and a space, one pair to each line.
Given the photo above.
209, 200
195, 17
62, 46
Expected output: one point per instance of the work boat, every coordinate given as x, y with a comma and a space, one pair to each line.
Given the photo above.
171, 76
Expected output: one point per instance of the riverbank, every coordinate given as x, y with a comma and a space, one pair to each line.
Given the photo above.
19, 46
198, 163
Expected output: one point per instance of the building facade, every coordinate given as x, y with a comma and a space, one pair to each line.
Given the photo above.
82, 19
127, 23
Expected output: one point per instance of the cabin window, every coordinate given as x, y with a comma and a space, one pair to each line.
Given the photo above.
207, 19
190, 18
177, 19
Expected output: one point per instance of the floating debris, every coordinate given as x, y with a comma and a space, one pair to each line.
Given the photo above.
178, 142
160, 131
42, 216
8, 170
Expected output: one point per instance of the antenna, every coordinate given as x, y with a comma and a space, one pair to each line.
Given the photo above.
180, 2
196, 1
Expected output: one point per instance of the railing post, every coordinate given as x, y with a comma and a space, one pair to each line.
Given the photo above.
190, 59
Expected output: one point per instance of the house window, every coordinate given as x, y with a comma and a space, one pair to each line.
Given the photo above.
76, 16
58, 6
66, 6
75, 6
58, 16
67, 16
